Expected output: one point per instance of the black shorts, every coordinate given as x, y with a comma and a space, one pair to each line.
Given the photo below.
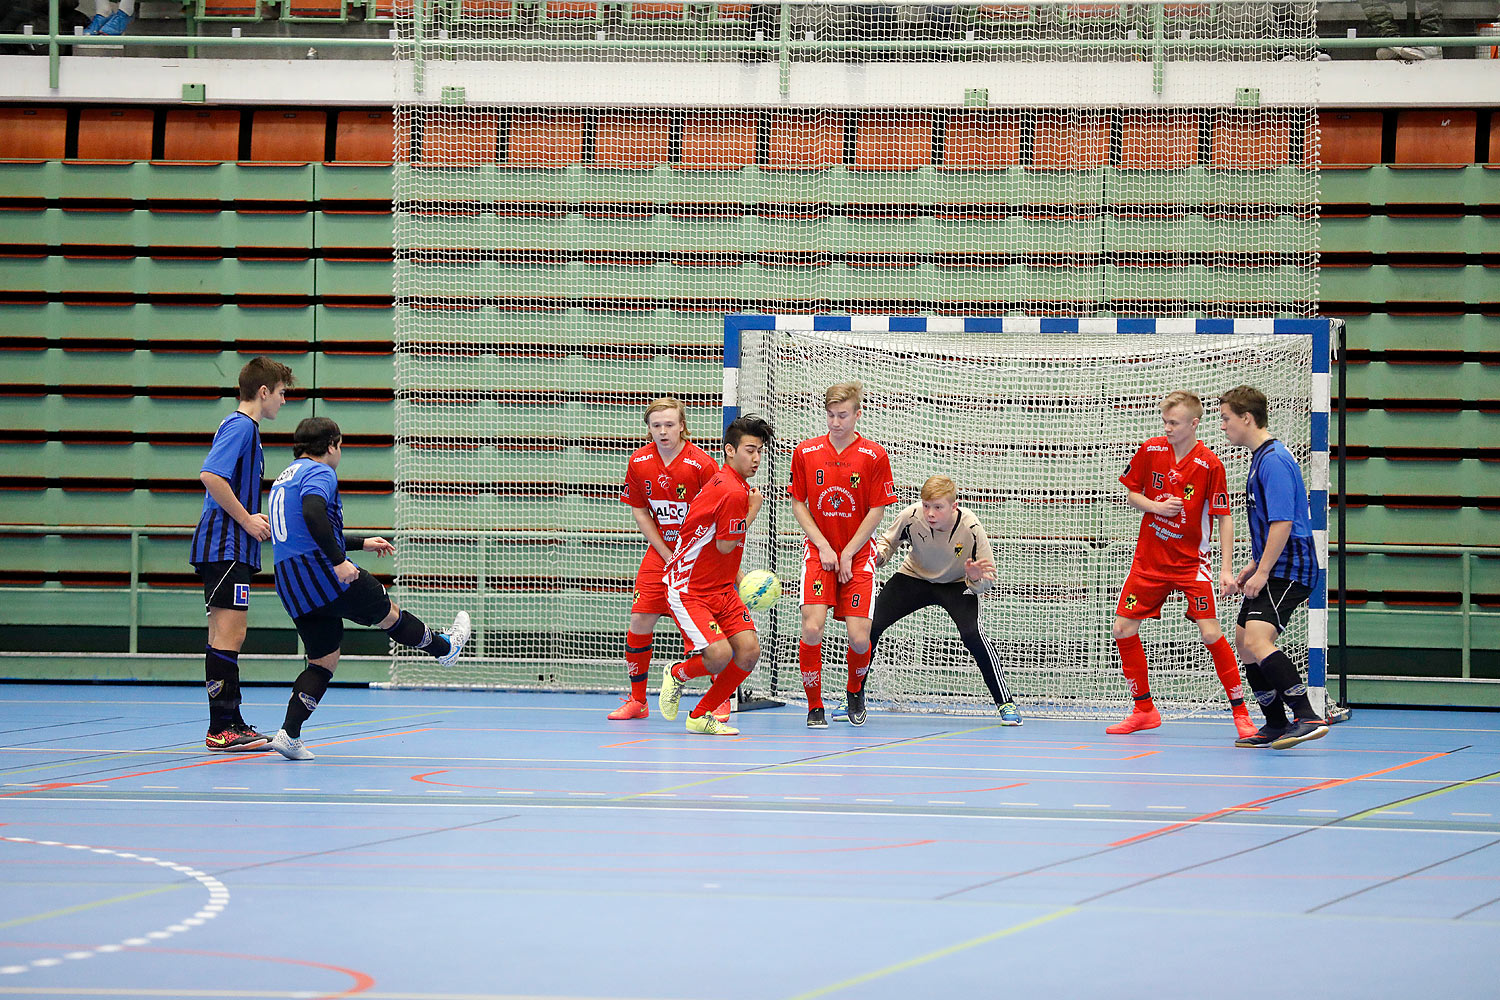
364, 603
1276, 603
226, 584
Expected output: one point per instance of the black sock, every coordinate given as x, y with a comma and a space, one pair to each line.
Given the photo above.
1282, 672
1266, 696
307, 691
409, 631
221, 676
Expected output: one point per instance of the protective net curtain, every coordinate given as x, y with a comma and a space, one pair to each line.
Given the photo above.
603, 182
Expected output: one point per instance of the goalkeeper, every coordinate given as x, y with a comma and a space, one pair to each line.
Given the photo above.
950, 564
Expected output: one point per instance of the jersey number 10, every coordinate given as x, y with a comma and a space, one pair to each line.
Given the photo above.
278, 515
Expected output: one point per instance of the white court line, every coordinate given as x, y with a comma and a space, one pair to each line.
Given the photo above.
218, 898
1317, 810
1166, 807
372, 789
1091, 805
231, 788
1483, 815
161, 788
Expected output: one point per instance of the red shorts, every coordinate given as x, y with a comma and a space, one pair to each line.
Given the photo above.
848, 600
1142, 598
650, 591
706, 618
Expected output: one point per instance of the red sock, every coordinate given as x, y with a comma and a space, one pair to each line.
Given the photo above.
1133, 661
859, 665
810, 660
691, 667
637, 662
1228, 669
726, 682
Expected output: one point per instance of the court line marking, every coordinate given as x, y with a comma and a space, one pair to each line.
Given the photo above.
218, 898
933, 956
1398, 878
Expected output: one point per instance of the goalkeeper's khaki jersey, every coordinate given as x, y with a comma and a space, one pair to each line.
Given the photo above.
936, 556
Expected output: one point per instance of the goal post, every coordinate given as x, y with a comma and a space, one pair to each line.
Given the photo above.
1033, 417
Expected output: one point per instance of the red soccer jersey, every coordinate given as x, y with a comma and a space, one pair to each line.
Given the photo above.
666, 490
841, 487
1176, 548
717, 514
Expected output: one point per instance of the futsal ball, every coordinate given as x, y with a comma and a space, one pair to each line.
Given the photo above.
760, 589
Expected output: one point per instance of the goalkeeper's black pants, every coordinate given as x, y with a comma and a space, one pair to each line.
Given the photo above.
903, 595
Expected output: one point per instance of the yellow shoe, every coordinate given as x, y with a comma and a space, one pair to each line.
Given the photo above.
671, 694
707, 725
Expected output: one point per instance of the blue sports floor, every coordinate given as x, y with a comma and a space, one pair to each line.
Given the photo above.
453, 846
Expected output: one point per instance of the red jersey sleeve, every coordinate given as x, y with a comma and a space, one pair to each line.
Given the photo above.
880, 491
798, 488
1218, 491
1134, 476
631, 493
729, 523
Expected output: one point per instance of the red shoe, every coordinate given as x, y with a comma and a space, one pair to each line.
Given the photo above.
1242, 724
1135, 722
632, 709
722, 712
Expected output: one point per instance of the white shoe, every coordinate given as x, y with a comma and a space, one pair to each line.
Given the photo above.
1386, 53
456, 636
290, 747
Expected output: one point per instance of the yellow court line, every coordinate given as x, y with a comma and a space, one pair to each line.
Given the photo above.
1488, 779
796, 763
82, 907
933, 956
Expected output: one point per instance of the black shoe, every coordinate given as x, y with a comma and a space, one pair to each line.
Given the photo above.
856, 707
1263, 737
816, 719
235, 738
1300, 732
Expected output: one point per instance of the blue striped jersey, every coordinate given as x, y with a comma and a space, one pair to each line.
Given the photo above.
236, 457
1274, 491
305, 579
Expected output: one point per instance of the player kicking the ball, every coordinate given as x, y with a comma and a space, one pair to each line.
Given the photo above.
1179, 484
841, 486
320, 586
661, 479
702, 579
951, 564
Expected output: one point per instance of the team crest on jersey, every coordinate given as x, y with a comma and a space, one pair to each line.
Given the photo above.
1130, 602
665, 480
958, 550
681, 491
817, 588
637, 595
215, 688
1187, 492
853, 479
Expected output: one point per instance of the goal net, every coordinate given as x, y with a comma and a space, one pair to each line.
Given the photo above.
1034, 419
582, 191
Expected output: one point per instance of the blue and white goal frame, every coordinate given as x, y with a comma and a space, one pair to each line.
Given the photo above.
1320, 331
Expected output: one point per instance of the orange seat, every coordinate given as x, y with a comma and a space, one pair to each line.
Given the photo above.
717, 140
632, 140
1494, 138
1350, 136
389, 10
1251, 140
982, 140
656, 11
1436, 137
249, 9
115, 133
885, 140
486, 10
546, 139
458, 137
288, 136
1070, 140
806, 140
202, 135
735, 11
33, 133
568, 10
1158, 140
332, 10
362, 137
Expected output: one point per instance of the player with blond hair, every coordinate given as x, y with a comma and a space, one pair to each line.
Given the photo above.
661, 480
1179, 486
841, 485
950, 564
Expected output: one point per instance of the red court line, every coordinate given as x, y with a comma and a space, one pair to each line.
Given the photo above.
1258, 804
1148, 753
